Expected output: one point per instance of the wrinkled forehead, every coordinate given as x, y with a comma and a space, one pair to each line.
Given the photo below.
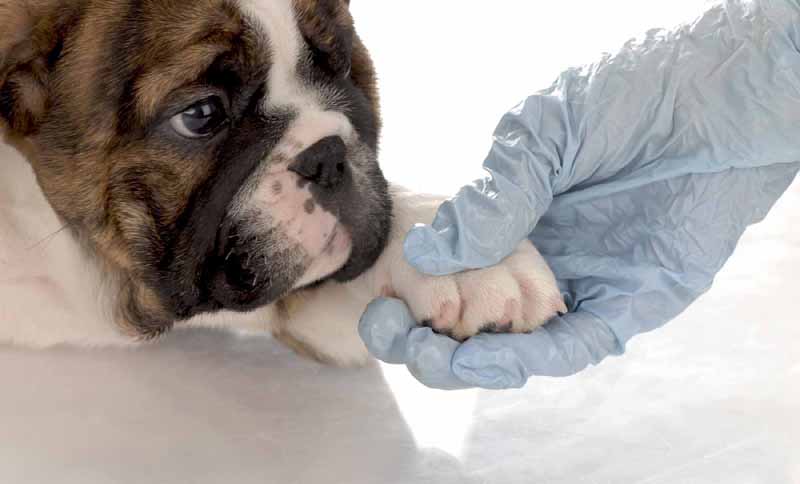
292, 27
299, 34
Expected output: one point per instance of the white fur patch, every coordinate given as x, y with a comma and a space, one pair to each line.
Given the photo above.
520, 291
318, 233
286, 90
50, 292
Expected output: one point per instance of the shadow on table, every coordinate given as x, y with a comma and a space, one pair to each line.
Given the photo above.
202, 407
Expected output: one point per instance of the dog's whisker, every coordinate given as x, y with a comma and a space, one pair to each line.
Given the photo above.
47, 239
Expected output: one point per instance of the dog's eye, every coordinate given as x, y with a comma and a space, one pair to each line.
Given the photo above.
201, 119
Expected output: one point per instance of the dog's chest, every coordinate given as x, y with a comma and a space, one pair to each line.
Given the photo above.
46, 283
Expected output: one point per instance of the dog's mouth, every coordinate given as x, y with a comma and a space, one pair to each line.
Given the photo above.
250, 271
335, 255
255, 263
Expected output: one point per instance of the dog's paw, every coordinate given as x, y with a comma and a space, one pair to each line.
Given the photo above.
518, 295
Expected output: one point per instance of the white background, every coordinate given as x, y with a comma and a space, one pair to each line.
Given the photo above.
712, 398
450, 69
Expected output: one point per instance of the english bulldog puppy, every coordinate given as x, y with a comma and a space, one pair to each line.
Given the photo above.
212, 163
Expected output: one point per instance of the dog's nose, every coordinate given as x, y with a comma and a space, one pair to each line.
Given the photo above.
324, 163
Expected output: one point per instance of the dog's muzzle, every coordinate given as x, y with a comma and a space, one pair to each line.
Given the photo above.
252, 269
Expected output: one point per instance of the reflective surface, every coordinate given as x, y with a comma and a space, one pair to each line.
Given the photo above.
711, 398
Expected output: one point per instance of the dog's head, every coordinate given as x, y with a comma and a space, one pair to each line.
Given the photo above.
215, 154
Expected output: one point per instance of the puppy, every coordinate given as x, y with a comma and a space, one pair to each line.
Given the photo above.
212, 163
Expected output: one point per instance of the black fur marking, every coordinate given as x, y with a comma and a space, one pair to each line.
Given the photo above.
202, 236
7, 99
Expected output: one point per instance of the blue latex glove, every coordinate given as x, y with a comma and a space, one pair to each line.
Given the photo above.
635, 177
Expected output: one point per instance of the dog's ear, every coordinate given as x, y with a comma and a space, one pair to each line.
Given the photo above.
31, 33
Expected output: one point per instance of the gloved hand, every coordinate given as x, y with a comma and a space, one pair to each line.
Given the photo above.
635, 178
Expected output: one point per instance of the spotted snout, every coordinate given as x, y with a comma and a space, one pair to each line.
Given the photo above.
284, 231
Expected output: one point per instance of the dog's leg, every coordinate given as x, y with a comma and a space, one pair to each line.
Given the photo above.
323, 323
517, 295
